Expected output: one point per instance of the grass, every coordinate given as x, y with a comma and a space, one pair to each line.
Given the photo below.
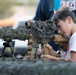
29, 3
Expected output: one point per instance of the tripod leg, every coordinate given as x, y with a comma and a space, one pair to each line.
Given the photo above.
11, 45
3, 51
12, 52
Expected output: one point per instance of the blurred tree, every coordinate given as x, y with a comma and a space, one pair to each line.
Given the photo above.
5, 6
26, 2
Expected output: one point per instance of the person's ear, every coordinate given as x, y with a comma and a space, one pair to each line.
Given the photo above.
69, 19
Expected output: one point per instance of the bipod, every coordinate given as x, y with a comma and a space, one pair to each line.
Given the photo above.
8, 43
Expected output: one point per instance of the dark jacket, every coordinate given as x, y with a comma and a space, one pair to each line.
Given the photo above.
45, 12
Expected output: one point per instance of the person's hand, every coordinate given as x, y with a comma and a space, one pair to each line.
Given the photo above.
51, 50
48, 57
49, 47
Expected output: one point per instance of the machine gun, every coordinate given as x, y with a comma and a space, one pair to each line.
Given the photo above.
37, 32
42, 32
8, 34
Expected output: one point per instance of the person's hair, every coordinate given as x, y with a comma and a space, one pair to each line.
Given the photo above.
64, 8
63, 14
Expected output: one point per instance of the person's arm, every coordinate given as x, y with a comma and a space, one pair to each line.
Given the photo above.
72, 58
52, 51
50, 57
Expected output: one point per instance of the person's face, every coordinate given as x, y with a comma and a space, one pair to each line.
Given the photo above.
64, 27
